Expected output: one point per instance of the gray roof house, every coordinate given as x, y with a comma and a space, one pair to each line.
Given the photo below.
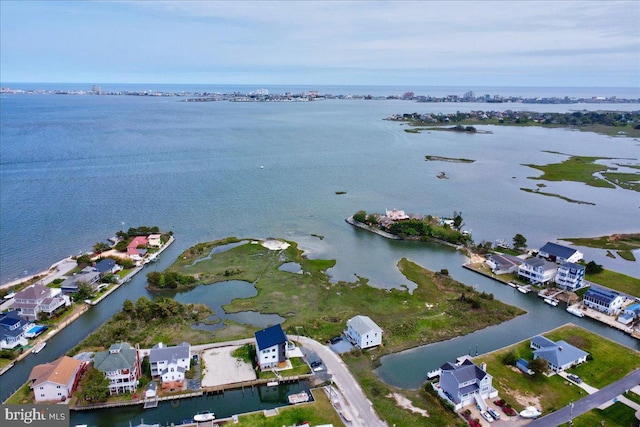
121, 365
465, 383
537, 271
503, 263
560, 355
170, 363
363, 332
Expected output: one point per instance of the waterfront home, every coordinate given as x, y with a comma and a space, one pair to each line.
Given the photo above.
537, 271
396, 215
558, 253
271, 345
38, 298
135, 248
559, 355
363, 332
154, 240
631, 313
503, 263
608, 302
465, 384
169, 364
106, 266
121, 365
87, 275
12, 329
55, 381
570, 276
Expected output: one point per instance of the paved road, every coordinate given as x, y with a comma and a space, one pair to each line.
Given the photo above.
364, 413
586, 404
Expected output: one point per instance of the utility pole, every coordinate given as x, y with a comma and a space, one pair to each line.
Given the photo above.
571, 413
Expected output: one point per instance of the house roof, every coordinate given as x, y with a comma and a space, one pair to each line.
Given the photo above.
541, 341
60, 371
105, 264
601, 296
558, 250
540, 263
35, 291
119, 356
505, 260
465, 372
270, 336
573, 265
137, 241
561, 354
161, 353
363, 324
11, 318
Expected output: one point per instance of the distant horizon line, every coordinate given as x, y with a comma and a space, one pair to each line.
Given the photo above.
3, 84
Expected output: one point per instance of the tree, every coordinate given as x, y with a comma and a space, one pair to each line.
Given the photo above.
593, 268
539, 365
360, 216
85, 290
519, 241
457, 220
95, 385
372, 219
101, 247
127, 306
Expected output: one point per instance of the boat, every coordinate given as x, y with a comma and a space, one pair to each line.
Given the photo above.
513, 285
204, 416
301, 397
530, 412
523, 289
553, 302
38, 347
575, 311
272, 383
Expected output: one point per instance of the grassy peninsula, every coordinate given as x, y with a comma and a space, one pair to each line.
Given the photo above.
623, 244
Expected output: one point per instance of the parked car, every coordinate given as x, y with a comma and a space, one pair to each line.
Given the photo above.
486, 416
576, 379
315, 363
335, 340
493, 413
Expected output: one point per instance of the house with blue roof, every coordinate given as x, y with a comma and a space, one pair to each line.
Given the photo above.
12, 329
465, 384
560, 254
559, 355
271, 346
631, 313
605, 301
570, 276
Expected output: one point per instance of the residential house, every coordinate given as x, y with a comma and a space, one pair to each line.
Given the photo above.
570, 276
121, 365
363, 332
608, 302
88, 275
106, 266
12, 329
537, 271
559, 355
465, 383
503, 263
631, 313
271, 346
55, 381
37, 298
133, 250
396, 215
560, 254
154, 240
170, 364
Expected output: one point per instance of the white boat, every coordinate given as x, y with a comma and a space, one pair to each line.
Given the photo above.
204, 416
575, 311
513, 285
38, 347
530, 412
272, 383
553, 302
523, 290
301, 397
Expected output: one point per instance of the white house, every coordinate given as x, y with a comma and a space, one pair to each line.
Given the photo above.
37, 298
558, 253
559, 355
154, 240
55, 381
271, 346
363, 332
503, 263
464, 384
121, 365
170, 364
12, 329
608, 302
537, 271
570, 276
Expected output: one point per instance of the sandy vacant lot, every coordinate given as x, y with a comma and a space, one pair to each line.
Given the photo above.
222, 368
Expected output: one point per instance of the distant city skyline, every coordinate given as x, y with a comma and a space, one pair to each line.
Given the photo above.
432, 43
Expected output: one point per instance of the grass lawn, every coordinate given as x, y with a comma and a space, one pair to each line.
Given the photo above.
616, 281
610, 362
616, 415
576, 168
318, 412
24, 395
614, 242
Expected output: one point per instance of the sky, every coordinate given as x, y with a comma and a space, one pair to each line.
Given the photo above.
432, 43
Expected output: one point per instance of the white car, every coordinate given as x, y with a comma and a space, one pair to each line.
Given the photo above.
486, 416
493, 413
